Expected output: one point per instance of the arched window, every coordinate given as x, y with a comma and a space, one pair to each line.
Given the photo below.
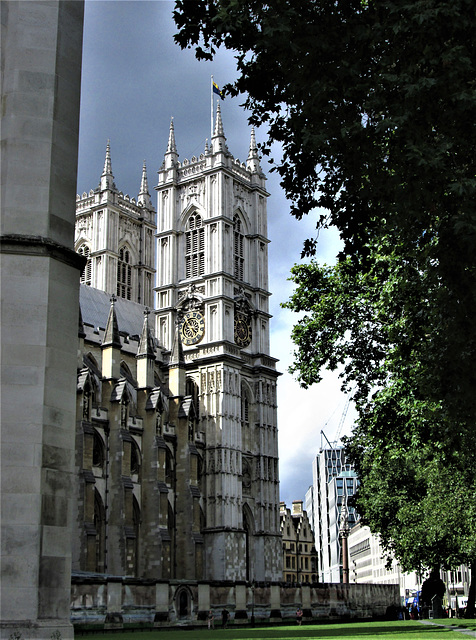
169, 468
86, 273
191, 389
124, 274
125, 372
245, 420
99, 455
238, 253
183, 603
194, 247
248, 526
135, 462
136, 519
100, 528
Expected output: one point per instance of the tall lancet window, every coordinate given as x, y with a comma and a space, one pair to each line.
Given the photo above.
124, 274
238, 255
86, 274
245, 421
194, 247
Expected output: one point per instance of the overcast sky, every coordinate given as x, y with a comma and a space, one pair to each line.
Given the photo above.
134, 80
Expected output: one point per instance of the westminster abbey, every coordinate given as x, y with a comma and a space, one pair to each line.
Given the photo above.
176, 440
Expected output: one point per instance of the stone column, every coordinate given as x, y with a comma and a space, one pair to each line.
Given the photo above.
41, 70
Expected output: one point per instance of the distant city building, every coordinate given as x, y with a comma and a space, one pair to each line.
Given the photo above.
368, 565
299, 553
334, 482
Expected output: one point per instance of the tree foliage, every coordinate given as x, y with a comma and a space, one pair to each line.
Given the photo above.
374, 104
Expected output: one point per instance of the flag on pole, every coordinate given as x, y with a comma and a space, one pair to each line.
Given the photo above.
216, 89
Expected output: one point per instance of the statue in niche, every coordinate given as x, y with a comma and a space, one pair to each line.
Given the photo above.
124, 414
86, 405
158, 423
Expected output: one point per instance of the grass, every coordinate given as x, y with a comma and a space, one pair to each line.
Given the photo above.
399, 630
458, 622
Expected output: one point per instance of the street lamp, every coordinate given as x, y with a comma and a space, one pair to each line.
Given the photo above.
344, 534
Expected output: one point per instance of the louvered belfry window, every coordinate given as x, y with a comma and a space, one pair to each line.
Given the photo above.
124, 274
86, 274
194, 247
238, 253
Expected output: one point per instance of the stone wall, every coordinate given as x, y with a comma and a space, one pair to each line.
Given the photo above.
114, 602
39, 279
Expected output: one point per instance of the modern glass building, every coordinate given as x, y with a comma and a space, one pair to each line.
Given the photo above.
334, 482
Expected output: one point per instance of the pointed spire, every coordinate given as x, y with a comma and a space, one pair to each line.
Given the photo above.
177, 366
171, 147
219, 140
171, 155
144, 196
177, 357
145, 355
111, 335
146, 344
252, 162
218, 123
107, 179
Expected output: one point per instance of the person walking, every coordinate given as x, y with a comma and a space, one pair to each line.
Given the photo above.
224, 618
299, 615
211, 620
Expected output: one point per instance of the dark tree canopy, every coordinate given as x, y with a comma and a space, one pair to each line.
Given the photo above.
374, 105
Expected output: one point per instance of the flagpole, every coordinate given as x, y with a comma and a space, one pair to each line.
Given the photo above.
211, 109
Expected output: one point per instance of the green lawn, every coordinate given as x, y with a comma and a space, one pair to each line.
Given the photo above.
399, 630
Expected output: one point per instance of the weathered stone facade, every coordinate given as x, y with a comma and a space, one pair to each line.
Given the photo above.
176, 436
114, 602
39, 272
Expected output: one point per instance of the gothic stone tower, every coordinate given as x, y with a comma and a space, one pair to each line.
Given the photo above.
116, 235
212, 285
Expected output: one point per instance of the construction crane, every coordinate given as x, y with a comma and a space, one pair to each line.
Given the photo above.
342, 418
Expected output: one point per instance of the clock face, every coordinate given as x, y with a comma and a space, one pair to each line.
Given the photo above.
192, 328
242, 329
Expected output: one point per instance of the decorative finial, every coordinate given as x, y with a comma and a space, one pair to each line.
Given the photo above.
252, 162
218, 123
144, 196
107, 178
171, 147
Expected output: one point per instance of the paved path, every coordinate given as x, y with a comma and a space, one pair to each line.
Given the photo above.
467, 632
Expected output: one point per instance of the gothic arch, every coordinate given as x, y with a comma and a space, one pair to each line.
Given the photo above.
136, 521
194, 244
86, 274
125, 372
136, 461
100, 529
246, 416
183, 602
171, 532
99, 453
92, 360
249, 529
191, 209
125, 263
192, 390
245, 221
